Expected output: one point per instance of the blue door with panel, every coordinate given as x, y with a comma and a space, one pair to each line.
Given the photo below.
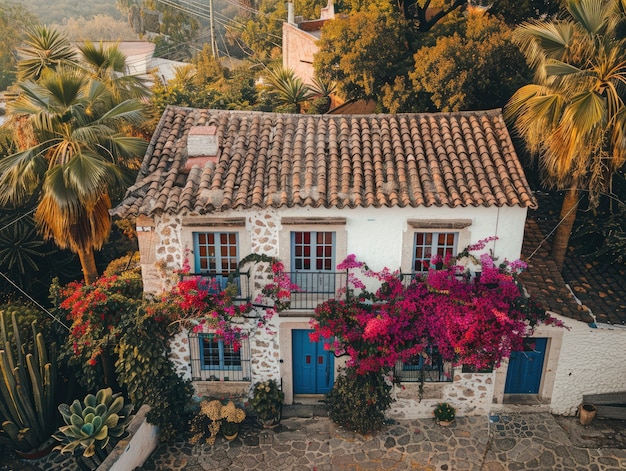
526, 367
313, 367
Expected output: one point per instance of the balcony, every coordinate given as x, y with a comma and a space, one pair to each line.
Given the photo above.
316, 288
216, 282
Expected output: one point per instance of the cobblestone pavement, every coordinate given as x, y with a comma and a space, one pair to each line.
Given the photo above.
508, 441
495, 443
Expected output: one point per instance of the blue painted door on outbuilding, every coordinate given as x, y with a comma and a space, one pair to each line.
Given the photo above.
313, 367
526, 367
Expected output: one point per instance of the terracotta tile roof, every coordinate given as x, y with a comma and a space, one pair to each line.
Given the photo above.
597, 290
543, 280
276, 160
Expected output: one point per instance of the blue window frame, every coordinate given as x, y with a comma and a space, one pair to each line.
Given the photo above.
216, 253
428, 244
216, 355
312, 251
313, 261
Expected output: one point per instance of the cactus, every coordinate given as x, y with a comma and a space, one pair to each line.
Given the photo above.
27, 390
90, 425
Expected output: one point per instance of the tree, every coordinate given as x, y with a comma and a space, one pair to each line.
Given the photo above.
514, 12
424, 15
73, 165
362, 52
103, 27
45, 49
14, 21
263, 33
477, 67
109, 66
573, 116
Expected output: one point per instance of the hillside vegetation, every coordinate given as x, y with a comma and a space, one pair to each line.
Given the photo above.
57, 11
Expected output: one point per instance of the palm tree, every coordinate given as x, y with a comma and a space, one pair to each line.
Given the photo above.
44, 49
109, 65
573, 116
291, 90
74, 164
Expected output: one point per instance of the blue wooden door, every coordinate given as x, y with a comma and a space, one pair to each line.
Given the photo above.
525, 368
313, 367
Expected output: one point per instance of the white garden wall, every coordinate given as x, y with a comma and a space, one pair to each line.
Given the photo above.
591, 361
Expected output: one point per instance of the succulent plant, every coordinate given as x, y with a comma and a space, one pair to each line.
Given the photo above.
91, 425
27, 390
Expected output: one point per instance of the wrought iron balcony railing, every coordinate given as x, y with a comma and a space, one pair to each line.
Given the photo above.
216, 282
315, 288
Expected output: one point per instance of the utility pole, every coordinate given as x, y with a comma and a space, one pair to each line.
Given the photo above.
212, 29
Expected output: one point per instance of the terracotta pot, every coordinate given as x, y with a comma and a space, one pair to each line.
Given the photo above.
586, 413
445, 423
230, 438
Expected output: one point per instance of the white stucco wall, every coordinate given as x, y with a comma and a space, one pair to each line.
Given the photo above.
591, 361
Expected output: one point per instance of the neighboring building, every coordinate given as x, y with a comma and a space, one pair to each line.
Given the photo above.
217, 185
140, 60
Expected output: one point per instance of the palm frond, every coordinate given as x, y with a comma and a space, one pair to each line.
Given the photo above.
590, 14
44, 48
20, 175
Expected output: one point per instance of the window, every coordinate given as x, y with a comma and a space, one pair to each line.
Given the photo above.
313, 251
214, 360
313, 261
215, 355
431, 367
216, 253
428, 244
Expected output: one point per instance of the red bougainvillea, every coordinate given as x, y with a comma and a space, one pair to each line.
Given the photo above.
470, 320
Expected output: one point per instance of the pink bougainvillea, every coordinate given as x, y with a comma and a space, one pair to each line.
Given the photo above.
470, 321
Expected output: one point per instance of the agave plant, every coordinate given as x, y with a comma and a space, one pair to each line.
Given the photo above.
91, 425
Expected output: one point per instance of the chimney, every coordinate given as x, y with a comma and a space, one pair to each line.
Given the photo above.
290, 17
328, 12
202, 146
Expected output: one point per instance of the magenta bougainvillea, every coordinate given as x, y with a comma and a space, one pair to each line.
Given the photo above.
469, 319
201, 303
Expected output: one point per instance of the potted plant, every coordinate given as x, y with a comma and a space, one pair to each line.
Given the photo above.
444, 414
208, 419
267, 401
27, 396
232, 417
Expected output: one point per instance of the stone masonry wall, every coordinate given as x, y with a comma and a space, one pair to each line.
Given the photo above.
469, 393
264, 350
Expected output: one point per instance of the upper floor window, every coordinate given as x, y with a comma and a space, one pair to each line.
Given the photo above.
428, 244
216, 253
312, 251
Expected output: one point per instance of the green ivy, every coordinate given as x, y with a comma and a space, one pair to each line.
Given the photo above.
144, 368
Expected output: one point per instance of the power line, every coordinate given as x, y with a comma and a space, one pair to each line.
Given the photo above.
33, 300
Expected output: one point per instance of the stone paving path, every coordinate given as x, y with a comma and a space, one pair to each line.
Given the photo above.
505, 442
495, 443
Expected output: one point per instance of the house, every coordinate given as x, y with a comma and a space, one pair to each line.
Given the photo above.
218, 185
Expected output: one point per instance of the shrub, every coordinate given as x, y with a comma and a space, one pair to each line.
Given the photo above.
358, 401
